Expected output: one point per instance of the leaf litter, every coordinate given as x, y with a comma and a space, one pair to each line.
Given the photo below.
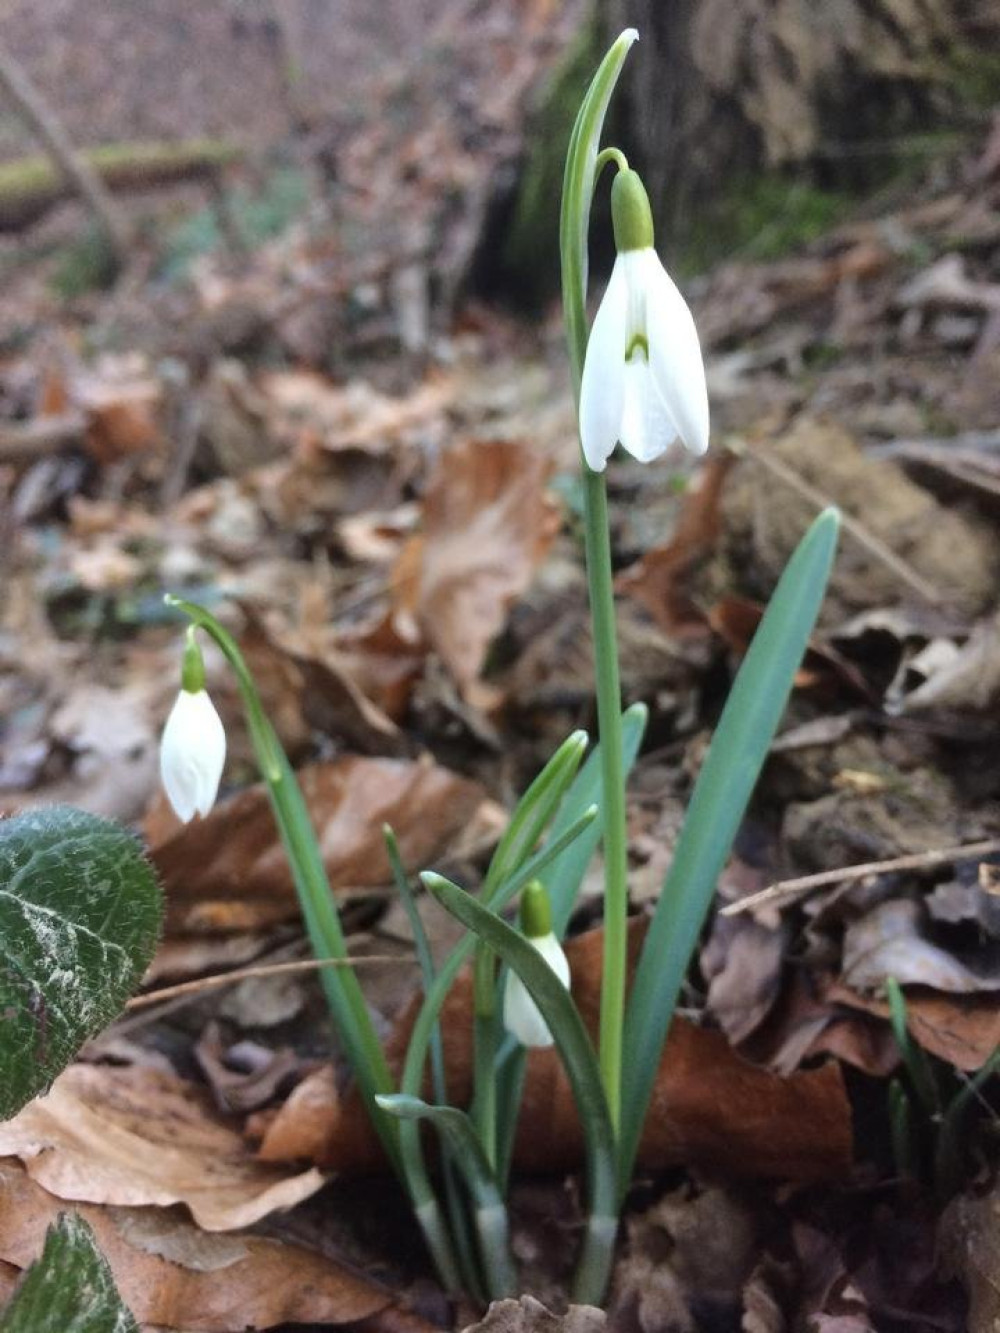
384, 505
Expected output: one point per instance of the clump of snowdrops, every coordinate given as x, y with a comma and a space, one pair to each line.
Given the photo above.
639, 381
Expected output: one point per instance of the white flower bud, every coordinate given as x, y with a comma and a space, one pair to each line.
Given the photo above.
520, 1013
192, 754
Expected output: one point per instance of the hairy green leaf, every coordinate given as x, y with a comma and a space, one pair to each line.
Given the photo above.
80, 914
69, 1289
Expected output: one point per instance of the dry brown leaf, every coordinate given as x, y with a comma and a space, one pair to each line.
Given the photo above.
962, 1029
135, 1136
172, 1275
230, 871
659, 581
487, 524
530, 1316
710, 1106
969, 1238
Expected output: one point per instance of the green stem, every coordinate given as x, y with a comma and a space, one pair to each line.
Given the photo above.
602, 611
322, 920
583, 163
484, 1102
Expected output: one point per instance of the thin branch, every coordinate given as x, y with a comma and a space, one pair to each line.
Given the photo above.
872, 544
82, 178
260, 970
850, 874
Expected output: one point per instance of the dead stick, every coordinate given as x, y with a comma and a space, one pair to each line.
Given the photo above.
261, 970
22, 441
848, 874
872, 544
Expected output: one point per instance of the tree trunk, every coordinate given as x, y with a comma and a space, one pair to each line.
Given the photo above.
79, 175
829, 96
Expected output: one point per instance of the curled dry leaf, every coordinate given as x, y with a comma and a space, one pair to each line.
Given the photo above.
710, 1106
530, 1316
487, 525
892, 941
133, 1136
229, 871
173, 1275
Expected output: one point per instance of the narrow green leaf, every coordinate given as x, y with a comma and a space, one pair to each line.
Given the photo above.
69, 1289
462, 1144
563, 879
578, 193
718, 804
565, 874
918, 1066
580, 1061
534, 811
80, 914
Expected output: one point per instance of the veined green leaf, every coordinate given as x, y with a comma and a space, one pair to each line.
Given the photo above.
722, 792
80, 914
69, 1288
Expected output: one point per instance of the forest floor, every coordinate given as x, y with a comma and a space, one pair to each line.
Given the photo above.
382, 502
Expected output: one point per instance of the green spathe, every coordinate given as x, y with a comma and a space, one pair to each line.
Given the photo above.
631, 215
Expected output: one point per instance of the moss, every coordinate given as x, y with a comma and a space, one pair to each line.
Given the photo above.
35, 179
759, 218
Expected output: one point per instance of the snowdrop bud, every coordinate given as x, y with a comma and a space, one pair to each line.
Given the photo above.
643, 376
520, 1013
193, 747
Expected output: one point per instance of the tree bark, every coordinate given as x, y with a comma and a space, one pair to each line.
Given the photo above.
79, 175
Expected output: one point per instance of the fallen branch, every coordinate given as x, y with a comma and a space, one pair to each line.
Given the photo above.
24, 441
850, 874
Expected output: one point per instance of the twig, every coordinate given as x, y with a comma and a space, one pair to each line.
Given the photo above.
848, 874
23, 441
260, 970
872, 544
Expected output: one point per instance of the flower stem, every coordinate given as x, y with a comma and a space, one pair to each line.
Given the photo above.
602, 612
583, 161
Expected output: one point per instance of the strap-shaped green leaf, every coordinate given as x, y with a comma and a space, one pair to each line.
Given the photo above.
722, 792
80, 914
69, 1289
460, 1139
580, 1061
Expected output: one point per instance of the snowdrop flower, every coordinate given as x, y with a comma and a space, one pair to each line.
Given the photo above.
520, 1013
193, 747
643, 377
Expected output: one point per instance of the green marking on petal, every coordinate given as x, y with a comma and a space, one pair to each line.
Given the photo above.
639, 343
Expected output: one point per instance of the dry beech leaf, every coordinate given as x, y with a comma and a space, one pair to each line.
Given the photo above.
530, 1316
487, 525
134, 1136
710, 1106
962, 1029
230, 871
172, 1275
660, 580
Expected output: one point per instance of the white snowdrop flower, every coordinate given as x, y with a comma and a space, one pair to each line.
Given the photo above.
521, 1016
643, 375
193, 747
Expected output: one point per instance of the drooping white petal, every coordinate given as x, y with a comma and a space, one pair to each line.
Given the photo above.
647, 429
675, 354
192, 754
602, 389
520, 1013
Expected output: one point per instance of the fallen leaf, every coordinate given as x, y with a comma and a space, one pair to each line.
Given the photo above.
891, 941
527, 1315
710, 1106
660, 580
134, 1136
487, 524
962, 1029
173, 1275
230, 871
969, 1237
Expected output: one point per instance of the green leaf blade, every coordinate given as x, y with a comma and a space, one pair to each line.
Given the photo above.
723, 790
80, 915
69, 1289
